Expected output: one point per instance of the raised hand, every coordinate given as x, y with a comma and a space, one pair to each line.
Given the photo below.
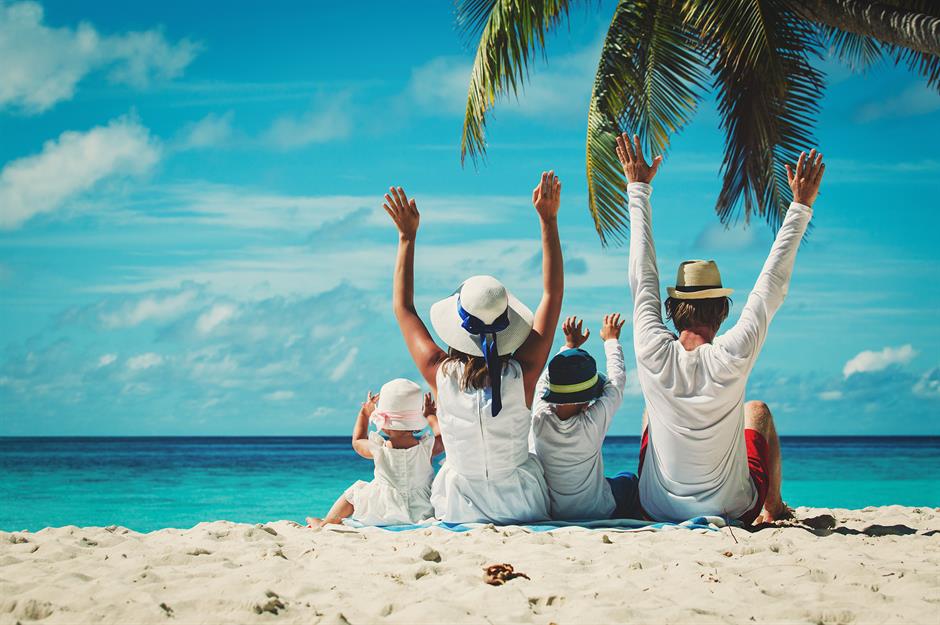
404, 212
634, 164
805, 180
610, 328
575, 334
547, 196
430, 407
368, 406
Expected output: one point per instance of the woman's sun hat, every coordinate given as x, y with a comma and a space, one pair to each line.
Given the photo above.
483, 319
573, 378
698, 279
400, 407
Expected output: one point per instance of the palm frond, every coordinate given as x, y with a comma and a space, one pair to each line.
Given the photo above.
857, 51
927, 65
511, 33
649, 80
768, 96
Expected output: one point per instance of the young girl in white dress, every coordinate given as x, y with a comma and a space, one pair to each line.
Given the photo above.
486, 380
401, 490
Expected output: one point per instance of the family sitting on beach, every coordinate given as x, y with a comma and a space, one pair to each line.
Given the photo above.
524, 445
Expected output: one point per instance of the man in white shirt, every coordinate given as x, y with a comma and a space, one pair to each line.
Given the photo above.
704, 450
573, 408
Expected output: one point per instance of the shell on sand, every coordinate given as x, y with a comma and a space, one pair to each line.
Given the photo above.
878, 565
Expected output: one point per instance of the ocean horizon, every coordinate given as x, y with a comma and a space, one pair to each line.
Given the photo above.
151, 482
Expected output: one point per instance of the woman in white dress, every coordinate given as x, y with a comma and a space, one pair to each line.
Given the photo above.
486, 380
401, 490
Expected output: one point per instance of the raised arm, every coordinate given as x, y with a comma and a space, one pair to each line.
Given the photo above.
424, 351
575, 336
534, 352
430, 413
603, 410
747, 336
360, 435
649, 331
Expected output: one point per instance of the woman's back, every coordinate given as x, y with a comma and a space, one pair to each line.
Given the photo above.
489, 474
479, 445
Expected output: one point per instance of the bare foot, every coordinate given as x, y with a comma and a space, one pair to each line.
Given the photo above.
314, 522
773, 513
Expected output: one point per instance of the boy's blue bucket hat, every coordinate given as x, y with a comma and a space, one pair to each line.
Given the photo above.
573, 378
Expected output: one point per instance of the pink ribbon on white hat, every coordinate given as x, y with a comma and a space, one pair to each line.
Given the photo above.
404, 420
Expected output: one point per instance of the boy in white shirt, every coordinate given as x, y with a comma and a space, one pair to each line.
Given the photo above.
572, 411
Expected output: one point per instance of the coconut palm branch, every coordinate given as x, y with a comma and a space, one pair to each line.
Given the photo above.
658, 56
650, 77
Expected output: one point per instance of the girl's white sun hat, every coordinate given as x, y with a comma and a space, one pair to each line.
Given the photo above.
481, 300
400, 406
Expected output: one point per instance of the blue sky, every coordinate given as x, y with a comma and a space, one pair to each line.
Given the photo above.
192, 240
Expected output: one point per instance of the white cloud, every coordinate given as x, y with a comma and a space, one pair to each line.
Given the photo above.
151, 307
72, 164
144, 361
280, 396
562, 87
106, 360
868, 361
830, 395
718, 238
928, 385
42, 66
218, 314
918, 99
320, 125
344, 365
209, 132
440, 85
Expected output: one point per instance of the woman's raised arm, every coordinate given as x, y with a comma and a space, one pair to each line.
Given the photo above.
534, 352
425, 352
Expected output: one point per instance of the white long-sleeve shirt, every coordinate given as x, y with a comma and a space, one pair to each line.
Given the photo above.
570, 450
696, 461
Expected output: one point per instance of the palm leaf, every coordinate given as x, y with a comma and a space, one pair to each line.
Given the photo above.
511, 33
857, 51
649, 80
768, 96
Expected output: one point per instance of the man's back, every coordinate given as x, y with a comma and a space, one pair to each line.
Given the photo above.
696, 460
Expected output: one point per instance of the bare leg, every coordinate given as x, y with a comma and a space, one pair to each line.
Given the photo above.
757, 417
340, 510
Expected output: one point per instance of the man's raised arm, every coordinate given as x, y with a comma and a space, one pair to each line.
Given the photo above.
648, 327
747, 336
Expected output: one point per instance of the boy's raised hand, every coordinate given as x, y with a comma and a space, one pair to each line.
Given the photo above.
575, 334
610, 328
430, 407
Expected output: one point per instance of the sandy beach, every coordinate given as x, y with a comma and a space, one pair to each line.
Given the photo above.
877, 565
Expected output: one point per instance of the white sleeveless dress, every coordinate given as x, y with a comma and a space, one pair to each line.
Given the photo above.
400, 493
489, 474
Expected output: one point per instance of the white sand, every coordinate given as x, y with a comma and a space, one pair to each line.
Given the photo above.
234, 573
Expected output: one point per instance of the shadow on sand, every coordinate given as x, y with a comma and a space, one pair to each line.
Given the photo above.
826, 524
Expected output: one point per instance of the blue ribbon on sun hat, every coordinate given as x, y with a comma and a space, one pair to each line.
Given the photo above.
487, 333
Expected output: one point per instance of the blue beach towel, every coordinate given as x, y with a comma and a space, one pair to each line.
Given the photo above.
709, 523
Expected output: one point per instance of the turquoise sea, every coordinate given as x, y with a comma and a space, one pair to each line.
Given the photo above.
149, 483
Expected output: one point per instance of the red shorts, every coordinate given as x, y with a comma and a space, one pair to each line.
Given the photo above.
756, 464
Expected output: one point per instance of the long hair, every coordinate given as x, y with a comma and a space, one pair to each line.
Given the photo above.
474, 375
691, 313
